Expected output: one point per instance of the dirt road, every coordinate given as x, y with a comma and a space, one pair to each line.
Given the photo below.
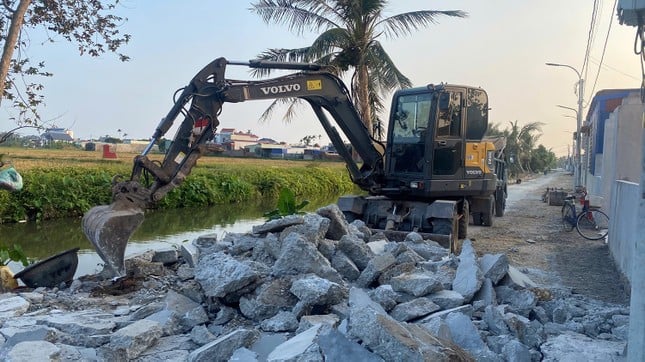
530, 234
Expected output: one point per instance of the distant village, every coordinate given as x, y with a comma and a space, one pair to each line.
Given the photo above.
228, 142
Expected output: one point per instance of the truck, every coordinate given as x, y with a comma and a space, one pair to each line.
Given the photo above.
434, 172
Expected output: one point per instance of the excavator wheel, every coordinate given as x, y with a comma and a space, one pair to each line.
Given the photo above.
500, 203
464, 220
487, 215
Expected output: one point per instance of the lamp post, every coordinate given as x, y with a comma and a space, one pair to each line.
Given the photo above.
578, 166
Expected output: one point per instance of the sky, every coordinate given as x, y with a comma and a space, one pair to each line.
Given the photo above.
502, 46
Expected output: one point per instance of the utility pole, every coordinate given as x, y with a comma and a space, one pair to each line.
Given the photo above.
578, 162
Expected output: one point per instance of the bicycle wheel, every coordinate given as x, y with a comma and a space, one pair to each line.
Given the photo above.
593, 225
568, 216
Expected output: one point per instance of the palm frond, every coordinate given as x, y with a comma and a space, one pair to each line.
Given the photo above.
279, 55
383, 67
405, 23
298, 16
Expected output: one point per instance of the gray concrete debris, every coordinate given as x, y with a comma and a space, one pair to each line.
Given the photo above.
375, 267
290, 292
12, 306
34, 351
414, 309
571, 346
338, 225
494, 267
345, 266
302, 347
276, 226
223, 347
298, 256
129, 342
309, 321
267, 300
314, 290
281, 322
417, 284
468, 278
357, 250
220, 274
335, 346
179, 314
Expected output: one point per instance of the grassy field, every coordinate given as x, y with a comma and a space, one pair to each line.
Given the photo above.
66, 183
24, 159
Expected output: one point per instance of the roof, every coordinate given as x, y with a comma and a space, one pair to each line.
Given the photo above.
57, 136
604, 98
227, 130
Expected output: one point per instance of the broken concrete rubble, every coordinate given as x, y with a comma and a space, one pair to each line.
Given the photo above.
310, 287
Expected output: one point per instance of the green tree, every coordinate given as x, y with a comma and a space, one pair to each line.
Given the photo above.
542, 159
350, 33
90, 24
520, 141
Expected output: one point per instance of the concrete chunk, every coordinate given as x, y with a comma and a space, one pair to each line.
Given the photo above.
375, 267
338, 226
34, 351
302, 347
417, 284
357, 250
414, 309
494, 266
129, 342
220, 274
223, 347
468, 278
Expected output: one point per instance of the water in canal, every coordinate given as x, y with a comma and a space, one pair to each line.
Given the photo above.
160, 230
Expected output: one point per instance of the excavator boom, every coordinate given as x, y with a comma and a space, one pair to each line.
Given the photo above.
109, 227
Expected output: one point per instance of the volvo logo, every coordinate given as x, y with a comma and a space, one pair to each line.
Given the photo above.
278, 89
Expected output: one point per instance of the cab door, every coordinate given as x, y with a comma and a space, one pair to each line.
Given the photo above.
448, 141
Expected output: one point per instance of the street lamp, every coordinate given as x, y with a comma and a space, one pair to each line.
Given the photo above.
578, 169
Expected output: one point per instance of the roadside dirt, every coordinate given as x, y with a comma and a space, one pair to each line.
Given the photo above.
531, 235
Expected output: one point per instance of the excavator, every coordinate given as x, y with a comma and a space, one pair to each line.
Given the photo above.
435, 171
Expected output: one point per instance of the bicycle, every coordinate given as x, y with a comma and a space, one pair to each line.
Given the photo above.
591, 223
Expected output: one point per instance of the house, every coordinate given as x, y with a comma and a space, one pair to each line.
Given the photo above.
232, 140
57, 135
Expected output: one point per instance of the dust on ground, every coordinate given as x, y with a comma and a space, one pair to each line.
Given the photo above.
531, 235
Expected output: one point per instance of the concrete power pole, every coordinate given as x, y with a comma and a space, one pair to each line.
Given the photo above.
632, 13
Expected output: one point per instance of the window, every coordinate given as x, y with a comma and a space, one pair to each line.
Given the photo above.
449, 118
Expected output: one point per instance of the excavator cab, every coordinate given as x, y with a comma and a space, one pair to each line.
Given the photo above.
430, 128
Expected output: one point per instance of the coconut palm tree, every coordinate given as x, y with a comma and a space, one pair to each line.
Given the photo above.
350, 31
520, 140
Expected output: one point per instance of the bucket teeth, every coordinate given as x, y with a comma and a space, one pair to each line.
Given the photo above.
108, 228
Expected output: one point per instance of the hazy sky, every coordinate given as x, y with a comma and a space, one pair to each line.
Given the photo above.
502, 47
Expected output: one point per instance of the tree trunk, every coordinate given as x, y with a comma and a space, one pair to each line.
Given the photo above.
10, 42
363, 97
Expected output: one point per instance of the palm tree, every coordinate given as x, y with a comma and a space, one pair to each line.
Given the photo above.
349, 39
520, 141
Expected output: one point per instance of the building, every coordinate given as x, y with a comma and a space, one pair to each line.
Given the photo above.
57, 135
232, 140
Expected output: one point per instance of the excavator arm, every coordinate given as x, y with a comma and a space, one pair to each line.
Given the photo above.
109, 227
209, 90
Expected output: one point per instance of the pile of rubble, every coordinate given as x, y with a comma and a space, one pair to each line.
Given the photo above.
310, 288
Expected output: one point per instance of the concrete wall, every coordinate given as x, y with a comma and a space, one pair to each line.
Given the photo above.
623, 225
616, 180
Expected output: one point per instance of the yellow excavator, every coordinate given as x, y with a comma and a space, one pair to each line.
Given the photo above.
433, 174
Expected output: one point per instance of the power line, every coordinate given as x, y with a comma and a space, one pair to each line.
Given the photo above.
590, 36
604, 48
609, 67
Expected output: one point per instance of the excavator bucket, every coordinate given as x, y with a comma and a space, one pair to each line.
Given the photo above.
109, 227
